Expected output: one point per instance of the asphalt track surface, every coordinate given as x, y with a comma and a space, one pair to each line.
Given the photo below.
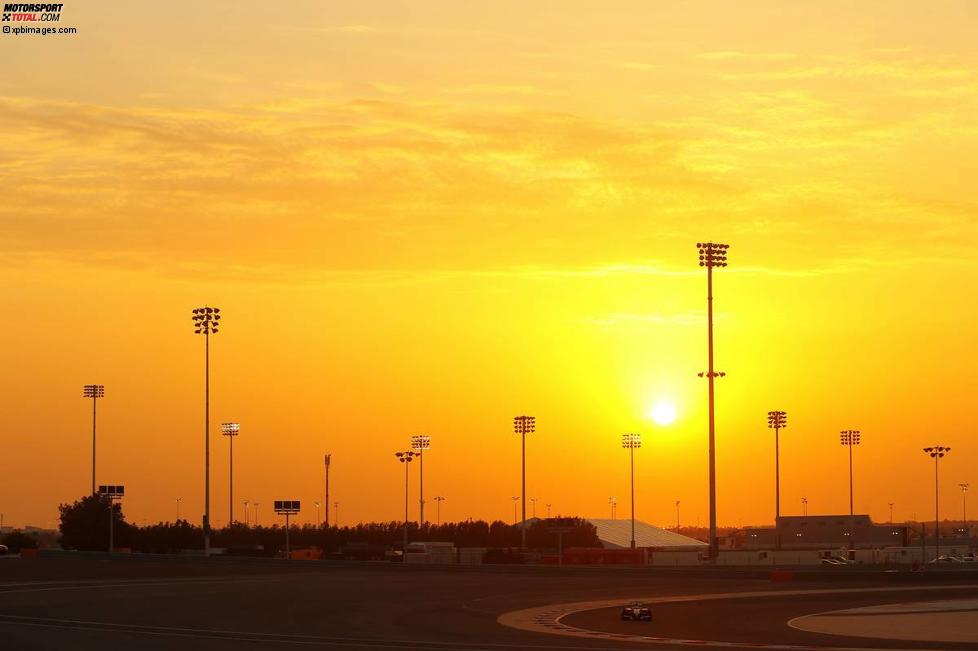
126, 604
764, 619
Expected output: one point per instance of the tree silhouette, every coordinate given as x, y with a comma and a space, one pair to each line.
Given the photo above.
85, 524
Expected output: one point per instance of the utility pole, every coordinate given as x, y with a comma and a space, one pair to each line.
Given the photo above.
937, 453
405, 457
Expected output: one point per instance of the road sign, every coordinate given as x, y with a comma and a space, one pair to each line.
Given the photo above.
283, 507
111, 491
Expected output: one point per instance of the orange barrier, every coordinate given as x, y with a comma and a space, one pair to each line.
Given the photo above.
782, 575
598, 556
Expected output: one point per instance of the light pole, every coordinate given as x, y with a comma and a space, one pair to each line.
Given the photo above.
179, 499
891, 512
516, 501
93, 391
326, 459
524, 425
548, 509
206, 321
287, 508
247, 514
631, 442
613, 503
405, 458
336, 514
420, 443
850, 438
677, 516
319, 522
777, 420
230, 430
256, 514
964, 505
712, 255
804, 506
937, 453
438, 500
533, 511
112, 493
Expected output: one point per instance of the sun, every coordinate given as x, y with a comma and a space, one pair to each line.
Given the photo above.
664, 413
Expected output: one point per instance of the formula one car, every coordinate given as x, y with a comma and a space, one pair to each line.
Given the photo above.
636, 612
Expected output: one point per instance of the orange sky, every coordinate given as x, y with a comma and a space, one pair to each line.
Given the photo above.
430, 217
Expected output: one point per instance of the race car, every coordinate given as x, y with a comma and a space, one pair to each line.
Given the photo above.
636, 612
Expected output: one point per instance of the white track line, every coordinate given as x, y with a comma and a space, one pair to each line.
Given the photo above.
547, 619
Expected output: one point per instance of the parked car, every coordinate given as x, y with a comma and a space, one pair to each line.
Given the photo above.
4, 549
833, 561
636, 612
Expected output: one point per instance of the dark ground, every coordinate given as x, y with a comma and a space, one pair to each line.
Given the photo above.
63, 603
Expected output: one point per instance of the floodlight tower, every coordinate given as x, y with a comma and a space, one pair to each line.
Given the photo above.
964, 504
230, 430
420, 443
804, 506
405, 457
524, 425
631, 442
326, 459
178, 500
438, 500
937, 453
93, 391
850, 438
613, 503
206, 322
712, 255
777, 420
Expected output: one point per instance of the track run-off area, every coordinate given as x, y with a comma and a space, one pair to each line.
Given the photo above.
100, 603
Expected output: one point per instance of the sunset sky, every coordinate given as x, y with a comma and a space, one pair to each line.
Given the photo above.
429, 217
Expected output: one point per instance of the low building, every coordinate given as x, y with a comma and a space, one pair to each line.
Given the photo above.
617, 534
826, 531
